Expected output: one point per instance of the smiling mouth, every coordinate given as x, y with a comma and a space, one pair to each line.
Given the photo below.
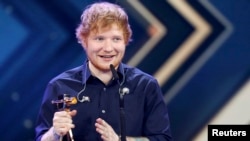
106, 56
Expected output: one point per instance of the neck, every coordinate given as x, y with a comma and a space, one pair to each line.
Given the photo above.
104, 76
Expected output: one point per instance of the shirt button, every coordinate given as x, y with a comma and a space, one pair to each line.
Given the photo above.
103, 111
104, 89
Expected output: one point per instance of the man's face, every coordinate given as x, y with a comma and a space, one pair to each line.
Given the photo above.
105, 47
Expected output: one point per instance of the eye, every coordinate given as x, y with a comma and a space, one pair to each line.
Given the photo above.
99, 38
117, 39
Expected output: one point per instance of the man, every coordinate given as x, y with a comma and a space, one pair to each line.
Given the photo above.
104, 32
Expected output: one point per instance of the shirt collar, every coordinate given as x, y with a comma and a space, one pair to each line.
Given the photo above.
86, 72
121, 73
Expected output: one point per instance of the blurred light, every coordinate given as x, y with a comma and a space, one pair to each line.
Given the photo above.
28, 123
9, 9
15, 96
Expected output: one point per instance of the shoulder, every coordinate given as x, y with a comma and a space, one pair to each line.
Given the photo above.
136, 73
71, 74
139, 81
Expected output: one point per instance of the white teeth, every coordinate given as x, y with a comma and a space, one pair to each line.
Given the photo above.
106, 56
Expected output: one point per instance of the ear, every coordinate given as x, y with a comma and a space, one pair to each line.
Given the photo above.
84, 43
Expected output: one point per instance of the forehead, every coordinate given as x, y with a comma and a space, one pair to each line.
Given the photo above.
112, 28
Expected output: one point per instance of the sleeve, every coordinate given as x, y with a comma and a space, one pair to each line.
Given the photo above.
157, 124
46, 113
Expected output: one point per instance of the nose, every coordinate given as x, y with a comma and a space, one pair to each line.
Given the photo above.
108, 47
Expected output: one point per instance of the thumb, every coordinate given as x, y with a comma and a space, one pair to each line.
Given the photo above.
72, 113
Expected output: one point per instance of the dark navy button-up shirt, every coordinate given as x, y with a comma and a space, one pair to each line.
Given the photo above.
145, 111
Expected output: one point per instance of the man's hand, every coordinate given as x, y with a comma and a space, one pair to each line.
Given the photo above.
105, 130
62, 122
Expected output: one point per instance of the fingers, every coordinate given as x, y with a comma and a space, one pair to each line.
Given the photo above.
105, 130
72, 113
101, 126
62, 122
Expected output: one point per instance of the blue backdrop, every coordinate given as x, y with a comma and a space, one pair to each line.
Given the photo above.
197, 49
